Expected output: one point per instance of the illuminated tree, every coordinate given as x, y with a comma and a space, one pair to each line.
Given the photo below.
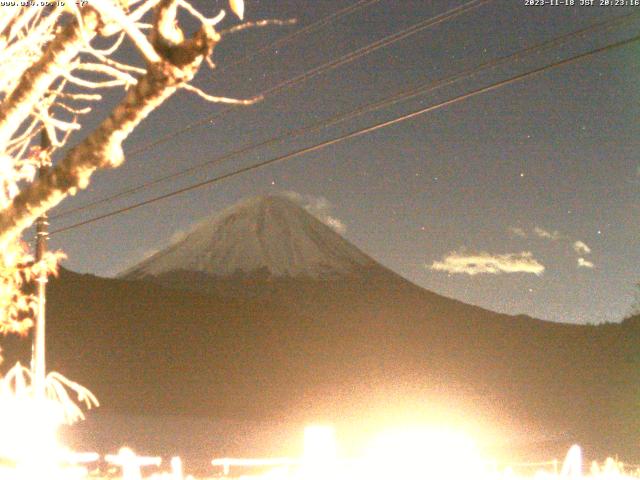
51, 73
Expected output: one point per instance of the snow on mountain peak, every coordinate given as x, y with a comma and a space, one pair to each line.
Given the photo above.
266, 233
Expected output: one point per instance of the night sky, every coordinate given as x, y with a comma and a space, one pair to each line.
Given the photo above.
534, 174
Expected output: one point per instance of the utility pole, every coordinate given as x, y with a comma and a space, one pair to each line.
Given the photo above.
38, 365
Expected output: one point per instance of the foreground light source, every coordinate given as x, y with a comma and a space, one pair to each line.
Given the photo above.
29, 428
28, 437
131, 463
572, 466
319, 445
423, 452
29, 425
320, 452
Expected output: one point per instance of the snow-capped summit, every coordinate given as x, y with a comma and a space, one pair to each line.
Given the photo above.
269, 234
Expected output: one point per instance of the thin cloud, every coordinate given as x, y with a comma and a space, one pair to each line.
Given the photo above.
483, 262
182, 233
585, 263
335, 223
517, 232
179, 235
542, 233
581, 248
320, 208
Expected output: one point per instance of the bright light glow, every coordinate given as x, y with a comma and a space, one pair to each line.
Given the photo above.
403, 454
423, 452
29, 425
131, 463
29, 429
176, 468
572, 466
320, 445
320, 452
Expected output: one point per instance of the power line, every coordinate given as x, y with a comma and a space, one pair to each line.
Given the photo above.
358, 132
332, 64
430, 22
309, 28
401, 96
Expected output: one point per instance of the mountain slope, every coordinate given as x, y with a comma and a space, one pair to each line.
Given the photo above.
269, 234
356, 349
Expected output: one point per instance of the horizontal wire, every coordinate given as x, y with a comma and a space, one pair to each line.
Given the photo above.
358, 132
287, 38
305, 76
404, 95
328, 66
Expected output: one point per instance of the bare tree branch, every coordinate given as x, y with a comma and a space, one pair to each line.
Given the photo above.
259, 24
116, 15
216, 99
38, 78
43, 54
103, 147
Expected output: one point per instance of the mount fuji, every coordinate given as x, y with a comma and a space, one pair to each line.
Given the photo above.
265, 235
